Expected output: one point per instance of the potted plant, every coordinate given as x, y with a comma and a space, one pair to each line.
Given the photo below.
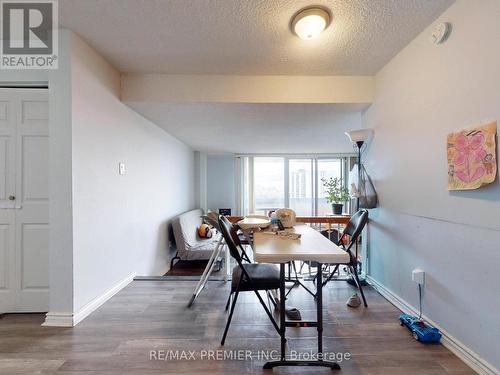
336, 194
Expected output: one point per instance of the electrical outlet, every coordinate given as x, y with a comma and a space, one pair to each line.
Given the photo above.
418, 276
121, 168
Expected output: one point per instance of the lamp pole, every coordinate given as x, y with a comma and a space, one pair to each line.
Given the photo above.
359, 144
358, 137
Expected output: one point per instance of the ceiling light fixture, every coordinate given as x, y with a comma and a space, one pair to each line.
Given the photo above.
308, 23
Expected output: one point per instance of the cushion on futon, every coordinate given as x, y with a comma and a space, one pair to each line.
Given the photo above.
190, 246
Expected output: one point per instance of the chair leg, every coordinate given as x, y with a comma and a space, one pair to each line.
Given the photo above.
174, 258
271, 297
228, 300
229, 317
267, 311
295, 272
301, 266
356, 278
244, 255
331, 275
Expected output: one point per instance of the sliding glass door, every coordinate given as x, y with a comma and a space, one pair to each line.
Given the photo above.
295, 182
327, 168
268, 184
301, 186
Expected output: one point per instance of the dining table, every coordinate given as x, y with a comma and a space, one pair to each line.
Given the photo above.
271, 247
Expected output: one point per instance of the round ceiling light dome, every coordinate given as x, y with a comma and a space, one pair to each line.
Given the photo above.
310, 22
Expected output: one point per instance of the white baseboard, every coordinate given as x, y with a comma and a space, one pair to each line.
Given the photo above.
55, 319
469, 357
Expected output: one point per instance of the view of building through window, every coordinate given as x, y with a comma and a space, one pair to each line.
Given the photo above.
269, 184
301, 186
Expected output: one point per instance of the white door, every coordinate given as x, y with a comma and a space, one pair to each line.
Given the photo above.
24, 203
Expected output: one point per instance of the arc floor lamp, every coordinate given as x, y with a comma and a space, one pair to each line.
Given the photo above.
359, 139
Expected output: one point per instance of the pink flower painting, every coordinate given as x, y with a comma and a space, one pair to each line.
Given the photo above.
472, 157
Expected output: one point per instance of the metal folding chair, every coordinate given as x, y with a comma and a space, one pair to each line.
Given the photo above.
247, 276
352, 230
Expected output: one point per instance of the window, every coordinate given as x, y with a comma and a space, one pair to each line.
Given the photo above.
269, 183
300, 186
327, 168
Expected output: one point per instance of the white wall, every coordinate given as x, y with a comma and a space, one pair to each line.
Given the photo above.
119, 221
104, 226
200, 180
60, 183
424, 93
177, 88
221, 182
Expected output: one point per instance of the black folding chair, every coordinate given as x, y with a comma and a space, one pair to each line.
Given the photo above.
353, 229
247, 277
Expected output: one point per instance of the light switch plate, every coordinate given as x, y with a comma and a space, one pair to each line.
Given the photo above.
121, 168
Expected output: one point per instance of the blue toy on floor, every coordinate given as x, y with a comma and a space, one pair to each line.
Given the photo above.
421, 331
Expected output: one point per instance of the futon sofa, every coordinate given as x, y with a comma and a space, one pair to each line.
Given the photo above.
189, 245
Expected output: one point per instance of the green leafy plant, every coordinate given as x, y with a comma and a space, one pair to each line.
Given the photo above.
335, 190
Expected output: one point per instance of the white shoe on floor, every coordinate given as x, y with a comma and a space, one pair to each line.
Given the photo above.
354, 301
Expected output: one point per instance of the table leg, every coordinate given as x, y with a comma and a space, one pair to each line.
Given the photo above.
319, 305
319, 310
227, 268
282, 311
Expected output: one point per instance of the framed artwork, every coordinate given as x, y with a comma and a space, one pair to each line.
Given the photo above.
472, 157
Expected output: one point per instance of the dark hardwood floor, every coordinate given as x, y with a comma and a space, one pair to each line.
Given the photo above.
152, 316
192, 268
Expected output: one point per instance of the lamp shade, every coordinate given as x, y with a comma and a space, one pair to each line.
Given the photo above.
360, 135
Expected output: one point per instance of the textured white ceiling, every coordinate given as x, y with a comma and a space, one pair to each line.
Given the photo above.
246, 36
257, 128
